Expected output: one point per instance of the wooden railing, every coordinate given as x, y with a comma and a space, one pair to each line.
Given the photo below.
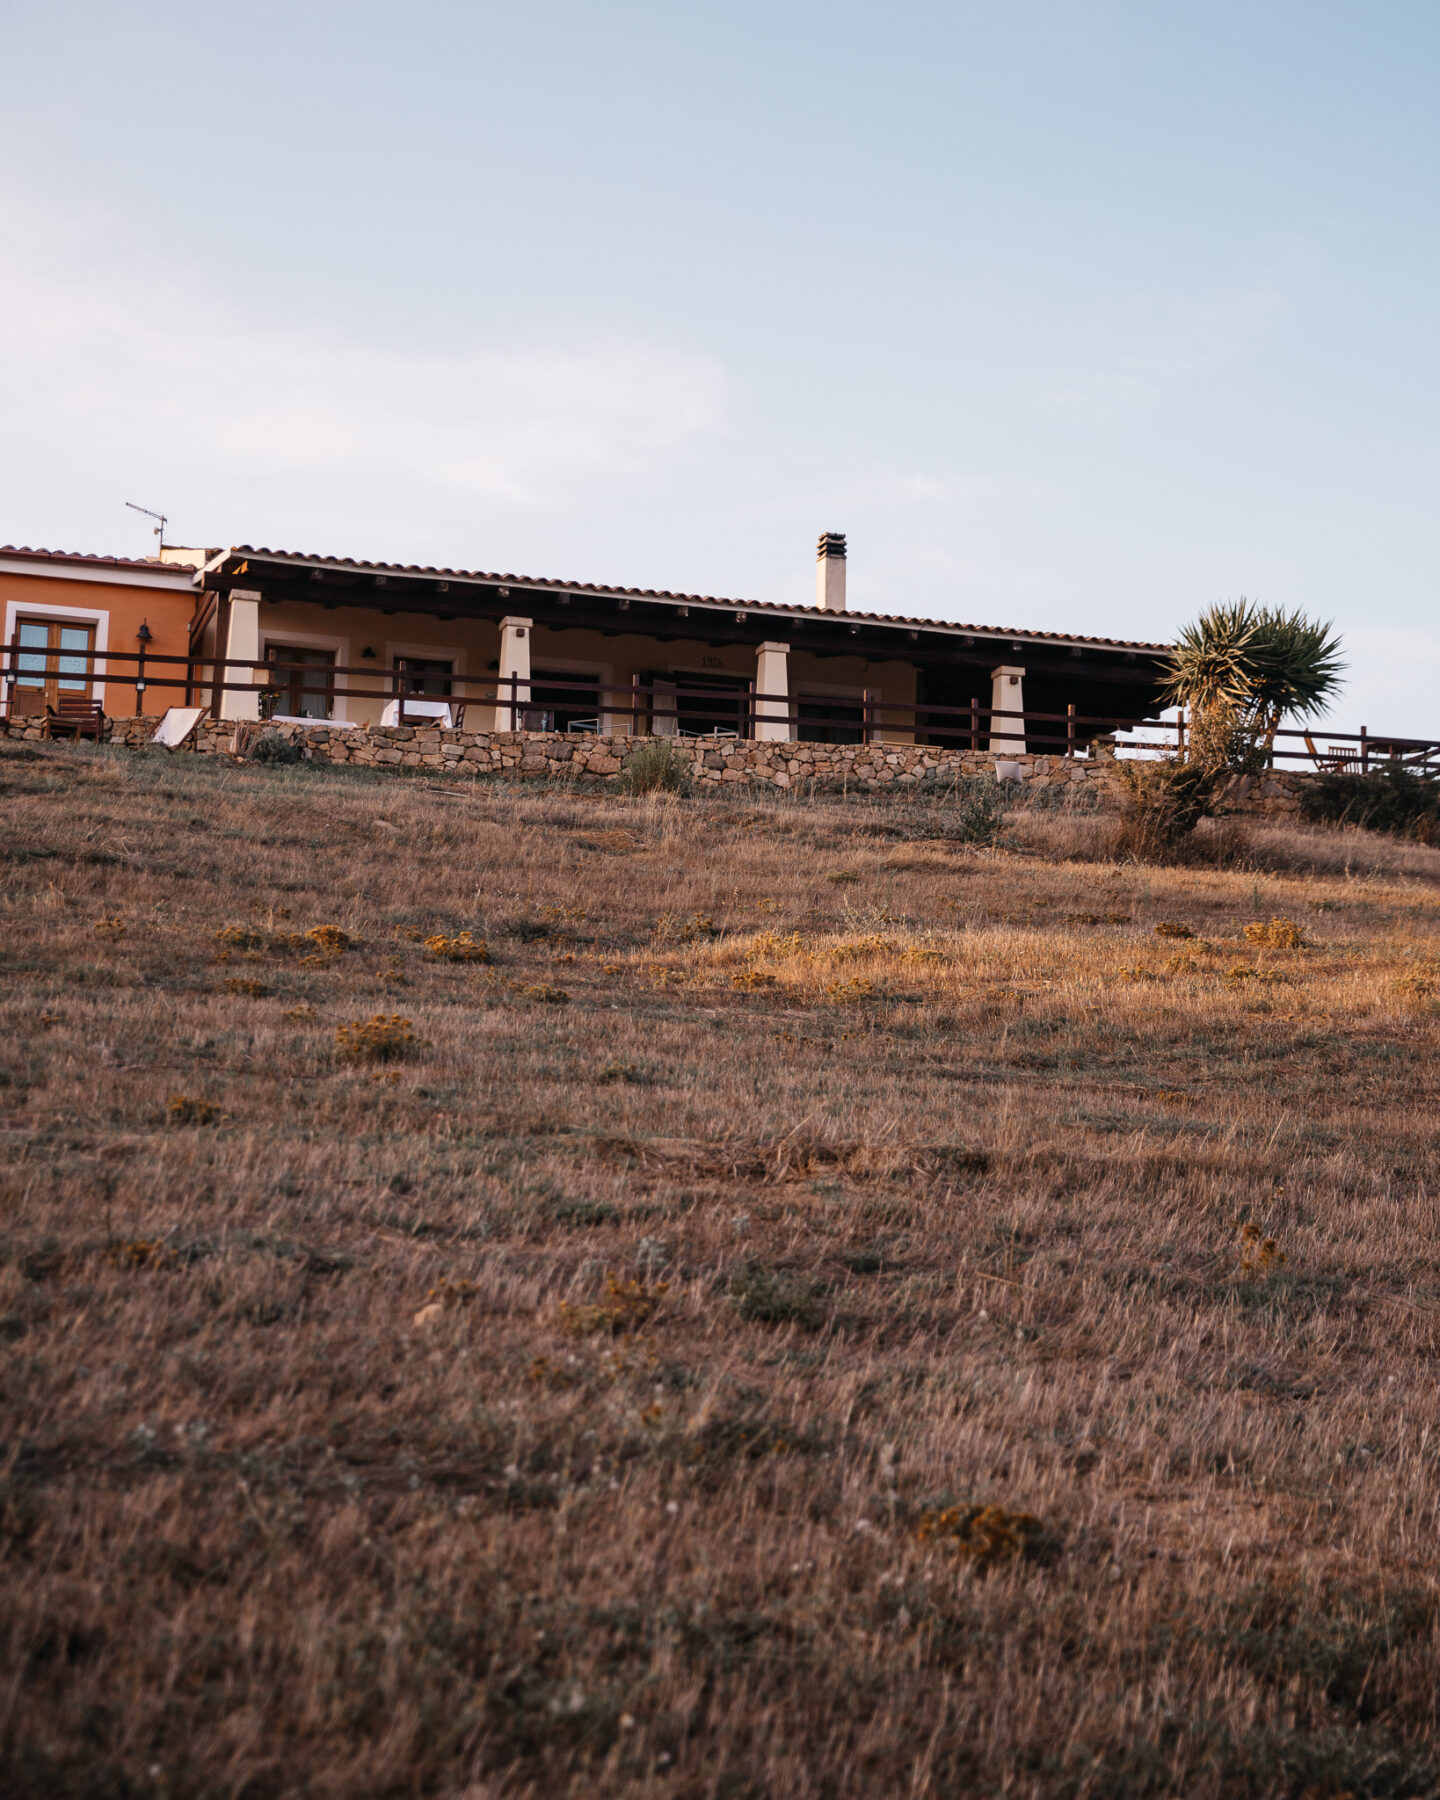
668, 708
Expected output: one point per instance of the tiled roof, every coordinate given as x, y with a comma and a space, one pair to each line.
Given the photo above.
152, 564
628, 593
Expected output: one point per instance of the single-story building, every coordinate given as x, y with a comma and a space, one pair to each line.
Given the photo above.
273, 633
345, 638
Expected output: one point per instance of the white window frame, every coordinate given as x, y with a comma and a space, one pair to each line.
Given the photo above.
96, 617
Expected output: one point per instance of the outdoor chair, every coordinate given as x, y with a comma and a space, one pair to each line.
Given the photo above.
178, 726
1335, 759
74, 715
588, 725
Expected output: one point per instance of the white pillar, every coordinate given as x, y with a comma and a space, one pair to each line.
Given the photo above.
830, 572
1007, 694
514, 660
243, 641
772, 678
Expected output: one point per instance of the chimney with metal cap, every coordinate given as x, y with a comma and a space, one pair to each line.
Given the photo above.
830, 572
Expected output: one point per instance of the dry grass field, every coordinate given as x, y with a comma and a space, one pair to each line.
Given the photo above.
809, 1309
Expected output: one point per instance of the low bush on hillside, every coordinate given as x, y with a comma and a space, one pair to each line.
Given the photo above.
271, 747
656, 768
766, 1297
1161, 803
970, 810
1391, 799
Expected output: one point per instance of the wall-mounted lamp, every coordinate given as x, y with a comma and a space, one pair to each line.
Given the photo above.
143, 636
368, 654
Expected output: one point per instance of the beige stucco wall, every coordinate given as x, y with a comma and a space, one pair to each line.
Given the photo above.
474, 646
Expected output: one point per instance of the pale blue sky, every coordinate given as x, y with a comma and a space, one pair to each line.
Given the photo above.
1072, 316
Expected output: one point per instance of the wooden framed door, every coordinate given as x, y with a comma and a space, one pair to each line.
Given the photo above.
302, 692
55, 658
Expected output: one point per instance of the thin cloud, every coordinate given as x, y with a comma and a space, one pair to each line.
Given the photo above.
122, 363
1138, 358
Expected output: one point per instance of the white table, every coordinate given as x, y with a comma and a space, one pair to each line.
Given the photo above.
415, 709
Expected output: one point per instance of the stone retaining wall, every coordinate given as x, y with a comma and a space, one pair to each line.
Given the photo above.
718, 762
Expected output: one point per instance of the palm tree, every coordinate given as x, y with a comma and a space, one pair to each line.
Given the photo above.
1240, 668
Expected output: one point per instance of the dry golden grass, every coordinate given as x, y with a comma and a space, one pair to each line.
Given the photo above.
902, 1327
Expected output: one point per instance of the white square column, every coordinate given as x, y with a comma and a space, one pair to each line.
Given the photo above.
772, 678
1007, 694
242, 641
514, 661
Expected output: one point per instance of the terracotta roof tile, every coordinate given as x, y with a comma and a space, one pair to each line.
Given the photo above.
629, 593
95, 560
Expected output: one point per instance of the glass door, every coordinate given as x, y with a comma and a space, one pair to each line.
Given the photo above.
54, 659
302, 689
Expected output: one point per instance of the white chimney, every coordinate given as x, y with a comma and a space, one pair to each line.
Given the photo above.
830, 572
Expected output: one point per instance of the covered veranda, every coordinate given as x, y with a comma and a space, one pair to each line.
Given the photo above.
366, 643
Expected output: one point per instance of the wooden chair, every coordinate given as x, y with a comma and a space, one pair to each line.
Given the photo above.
1335, 759
74, 715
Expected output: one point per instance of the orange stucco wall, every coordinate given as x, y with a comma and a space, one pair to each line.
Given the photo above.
117, 609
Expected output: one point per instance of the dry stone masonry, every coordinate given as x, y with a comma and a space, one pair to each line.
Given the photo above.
717, 762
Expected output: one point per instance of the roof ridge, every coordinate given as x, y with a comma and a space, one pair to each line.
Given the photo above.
773, 606
93, 556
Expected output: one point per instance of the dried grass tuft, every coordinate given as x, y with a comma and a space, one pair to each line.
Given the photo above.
462, 948
380, 1038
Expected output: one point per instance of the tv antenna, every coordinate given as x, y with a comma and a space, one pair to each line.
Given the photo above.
160, 528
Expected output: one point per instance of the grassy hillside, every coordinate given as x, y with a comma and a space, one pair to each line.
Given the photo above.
821, 1311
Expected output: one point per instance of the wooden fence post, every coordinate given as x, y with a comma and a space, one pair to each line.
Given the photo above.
219, 669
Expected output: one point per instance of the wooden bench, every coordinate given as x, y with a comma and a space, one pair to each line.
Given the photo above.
74, 715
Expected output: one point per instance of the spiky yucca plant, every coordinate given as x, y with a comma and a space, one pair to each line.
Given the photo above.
1239, 668
1297, 668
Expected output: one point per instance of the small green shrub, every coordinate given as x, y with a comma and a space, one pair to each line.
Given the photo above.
764, 1297
969, 811
979, 811
656, 768
1391, 799
1161, 803
585, 1212
273, 748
